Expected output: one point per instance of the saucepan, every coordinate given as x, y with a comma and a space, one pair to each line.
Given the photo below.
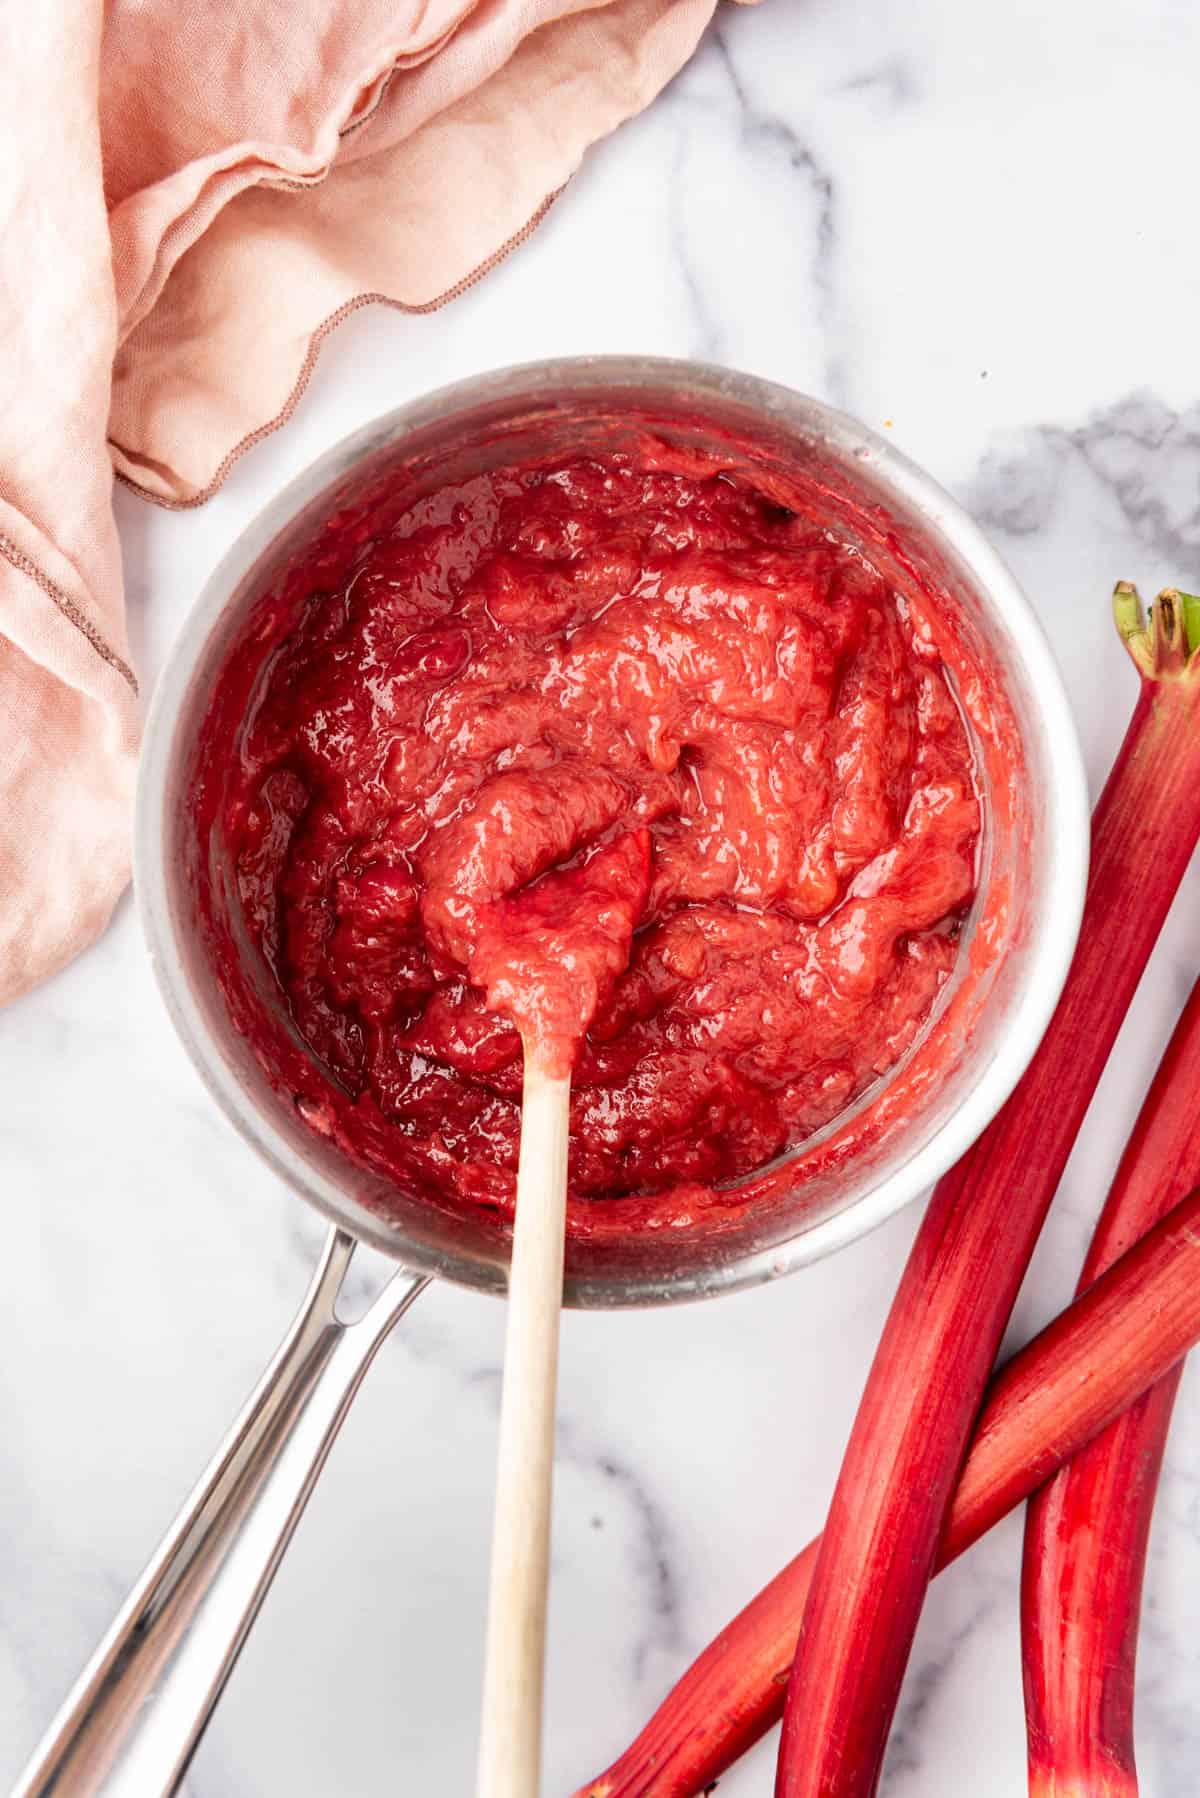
133, 1720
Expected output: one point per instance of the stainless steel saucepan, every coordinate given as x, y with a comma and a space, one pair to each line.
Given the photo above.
133, 1721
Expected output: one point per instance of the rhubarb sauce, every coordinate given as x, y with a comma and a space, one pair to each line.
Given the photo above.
617, 753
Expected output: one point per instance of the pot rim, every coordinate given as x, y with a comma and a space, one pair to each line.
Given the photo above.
1067, 826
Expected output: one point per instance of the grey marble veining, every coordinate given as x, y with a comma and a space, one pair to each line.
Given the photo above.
970, 227
1138, 450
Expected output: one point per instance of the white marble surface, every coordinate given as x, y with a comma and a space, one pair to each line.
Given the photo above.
973, 227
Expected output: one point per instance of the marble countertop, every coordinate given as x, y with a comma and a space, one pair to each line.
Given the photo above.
966, 225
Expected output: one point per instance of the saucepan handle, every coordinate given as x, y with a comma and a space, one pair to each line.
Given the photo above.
132, 1722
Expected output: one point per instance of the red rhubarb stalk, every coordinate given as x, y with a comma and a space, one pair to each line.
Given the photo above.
966, 1267
1086, 1533
1096, 1358
957, 1291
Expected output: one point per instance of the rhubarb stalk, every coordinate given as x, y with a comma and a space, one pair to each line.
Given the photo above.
941, 1338
974, 1245
1086, 1533
1082, 1371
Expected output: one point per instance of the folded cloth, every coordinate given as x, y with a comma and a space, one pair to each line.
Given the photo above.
190, 198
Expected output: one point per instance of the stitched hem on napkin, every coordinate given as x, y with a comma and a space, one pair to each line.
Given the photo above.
323, 330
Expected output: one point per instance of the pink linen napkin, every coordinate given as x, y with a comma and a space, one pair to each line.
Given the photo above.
191, 198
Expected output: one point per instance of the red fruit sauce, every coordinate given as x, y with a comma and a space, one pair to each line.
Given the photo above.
625, 749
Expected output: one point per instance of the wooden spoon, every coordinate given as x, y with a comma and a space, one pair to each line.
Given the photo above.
547, 957
510, 1739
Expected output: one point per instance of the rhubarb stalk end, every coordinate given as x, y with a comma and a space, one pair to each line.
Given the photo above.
1166, 641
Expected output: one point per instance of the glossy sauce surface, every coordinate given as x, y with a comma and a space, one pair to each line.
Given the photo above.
606, 743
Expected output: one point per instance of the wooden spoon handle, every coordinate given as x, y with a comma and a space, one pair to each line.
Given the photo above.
511, 1735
